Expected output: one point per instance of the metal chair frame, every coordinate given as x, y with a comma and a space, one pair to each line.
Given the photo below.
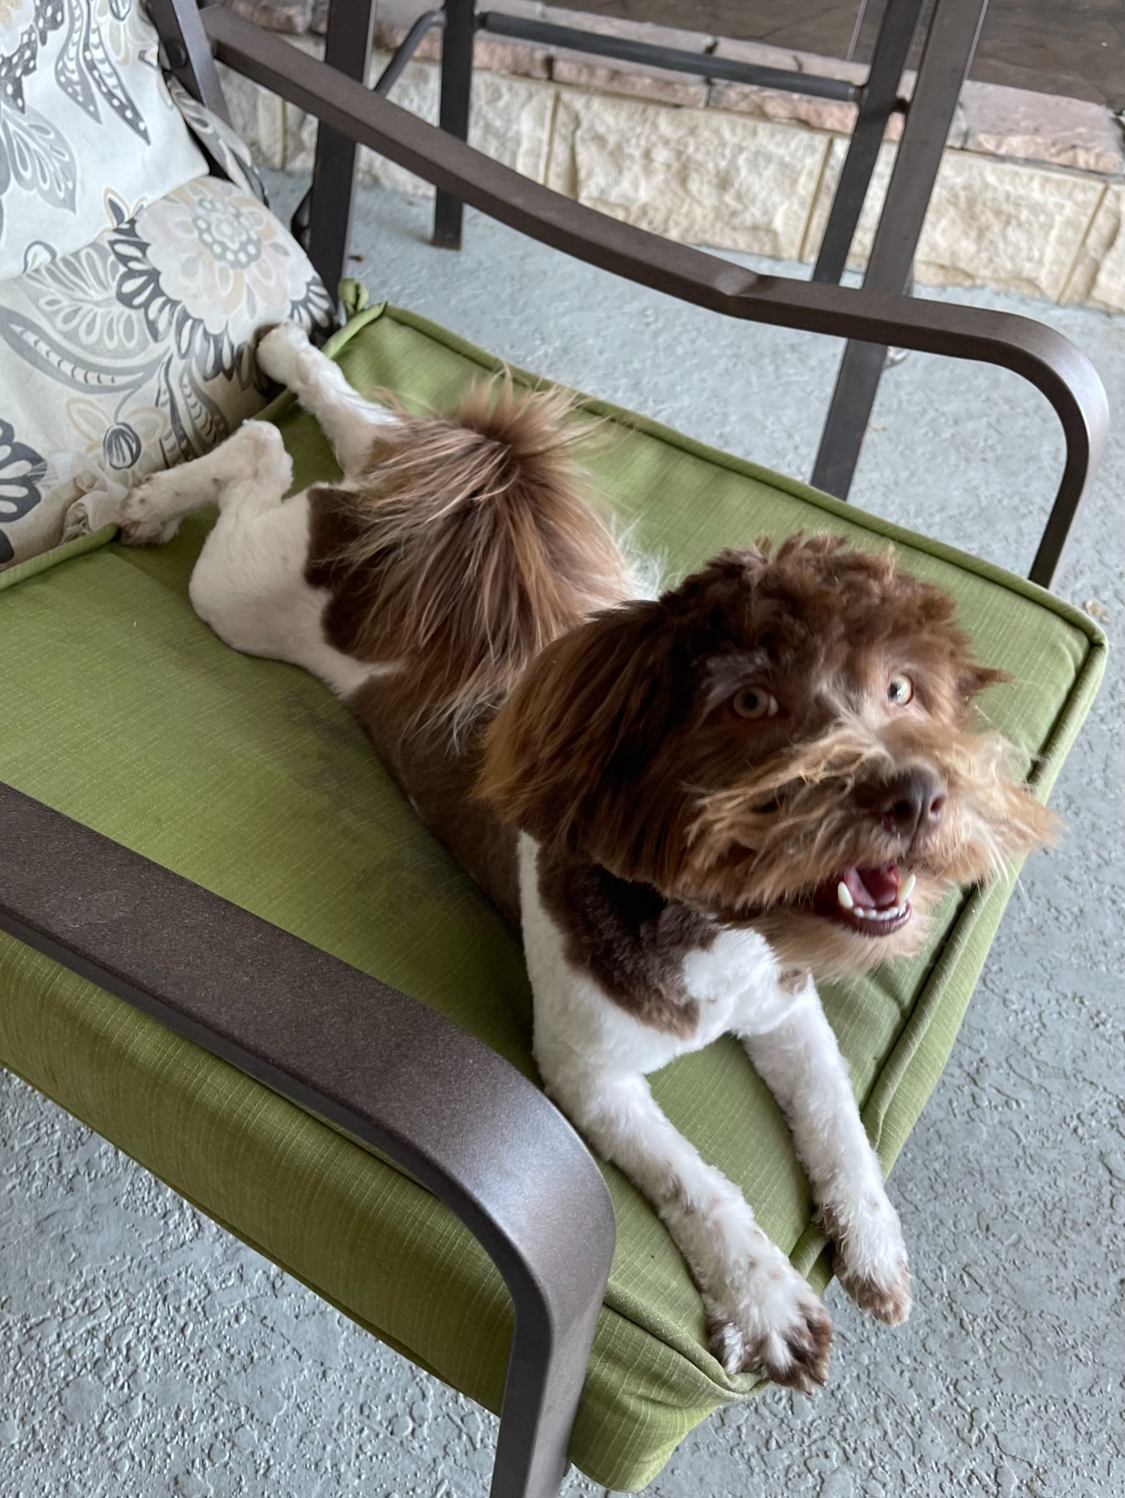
947, 50
950, 38
394, 1074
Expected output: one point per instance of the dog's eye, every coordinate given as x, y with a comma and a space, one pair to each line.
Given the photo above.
754, 702
900, 690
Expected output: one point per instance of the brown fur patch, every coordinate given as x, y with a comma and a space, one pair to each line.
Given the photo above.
793, 980
437, 777
629, 937
466, 548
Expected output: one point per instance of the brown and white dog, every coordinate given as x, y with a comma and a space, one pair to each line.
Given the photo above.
689, 803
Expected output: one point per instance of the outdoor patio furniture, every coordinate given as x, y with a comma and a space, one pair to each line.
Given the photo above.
232, 948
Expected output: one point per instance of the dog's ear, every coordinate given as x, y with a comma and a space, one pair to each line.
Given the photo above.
586, 720
976, 679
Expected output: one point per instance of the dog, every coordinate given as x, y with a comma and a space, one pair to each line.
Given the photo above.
689, 804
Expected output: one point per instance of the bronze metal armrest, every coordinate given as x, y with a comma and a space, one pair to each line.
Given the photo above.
458, 1117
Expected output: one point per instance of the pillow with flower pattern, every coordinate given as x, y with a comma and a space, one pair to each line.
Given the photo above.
136, 352
132, 284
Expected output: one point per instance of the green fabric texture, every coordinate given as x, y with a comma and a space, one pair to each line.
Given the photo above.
123, 711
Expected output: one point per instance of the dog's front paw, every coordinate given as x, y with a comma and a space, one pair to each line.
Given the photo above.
279, 351
770, 1322
870, 1260
888, 1297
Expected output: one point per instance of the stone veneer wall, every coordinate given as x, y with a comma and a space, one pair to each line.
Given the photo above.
1030, 197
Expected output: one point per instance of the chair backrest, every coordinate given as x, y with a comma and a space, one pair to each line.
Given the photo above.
86, 121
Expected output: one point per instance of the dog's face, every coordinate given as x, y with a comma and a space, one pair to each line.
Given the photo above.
784, 740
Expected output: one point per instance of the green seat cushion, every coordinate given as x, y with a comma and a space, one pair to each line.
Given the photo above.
123, 711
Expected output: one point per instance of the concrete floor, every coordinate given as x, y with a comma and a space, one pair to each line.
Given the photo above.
144, 1352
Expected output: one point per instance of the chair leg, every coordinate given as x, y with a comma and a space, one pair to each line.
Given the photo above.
880, 93
849, 411
456, 89
188, 52
950, 43
347, 48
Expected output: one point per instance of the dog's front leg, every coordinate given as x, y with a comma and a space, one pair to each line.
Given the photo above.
762, 1316
800, 1062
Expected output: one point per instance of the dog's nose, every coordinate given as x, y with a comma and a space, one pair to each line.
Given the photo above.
911, 803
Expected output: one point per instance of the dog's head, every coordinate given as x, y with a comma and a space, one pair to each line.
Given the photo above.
785, 740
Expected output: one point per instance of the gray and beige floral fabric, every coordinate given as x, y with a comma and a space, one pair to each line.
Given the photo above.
84, 111
132, 284
227, 151
136, 352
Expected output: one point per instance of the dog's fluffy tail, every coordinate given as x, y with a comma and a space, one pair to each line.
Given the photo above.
474, 547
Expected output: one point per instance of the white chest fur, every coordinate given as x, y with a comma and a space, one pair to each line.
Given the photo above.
734, 982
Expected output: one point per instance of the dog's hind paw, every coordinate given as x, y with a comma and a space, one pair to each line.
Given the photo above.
781, 1330
142, 517
279, 351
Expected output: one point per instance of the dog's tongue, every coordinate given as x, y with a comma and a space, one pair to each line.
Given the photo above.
874, 889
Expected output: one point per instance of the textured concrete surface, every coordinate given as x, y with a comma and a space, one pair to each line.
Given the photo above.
144, 1352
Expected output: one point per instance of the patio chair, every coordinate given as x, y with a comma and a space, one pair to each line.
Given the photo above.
231, 947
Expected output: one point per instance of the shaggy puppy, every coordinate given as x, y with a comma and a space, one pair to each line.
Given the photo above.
689, 804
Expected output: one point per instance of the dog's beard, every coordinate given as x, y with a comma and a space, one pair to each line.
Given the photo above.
788, 848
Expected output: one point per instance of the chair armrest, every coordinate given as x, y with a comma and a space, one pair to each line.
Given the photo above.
1037, 353
463, 1121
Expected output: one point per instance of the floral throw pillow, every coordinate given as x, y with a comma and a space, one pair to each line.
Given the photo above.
228, 152
85, 119
136, 352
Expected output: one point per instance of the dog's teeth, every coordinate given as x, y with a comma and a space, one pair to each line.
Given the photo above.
844, 895
907, 889
861, 911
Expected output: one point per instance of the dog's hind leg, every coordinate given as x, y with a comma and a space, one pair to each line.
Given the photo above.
249, 583
347, 420
253, 458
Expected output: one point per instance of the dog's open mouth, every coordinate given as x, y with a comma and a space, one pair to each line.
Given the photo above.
874, 902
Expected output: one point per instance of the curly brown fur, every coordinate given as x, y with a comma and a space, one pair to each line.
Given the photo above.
620, 745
